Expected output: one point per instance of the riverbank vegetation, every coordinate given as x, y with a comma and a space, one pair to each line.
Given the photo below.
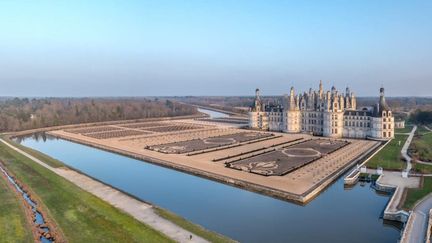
389, 158
81, 216
23, 114
13, 224
414, 195
191, 227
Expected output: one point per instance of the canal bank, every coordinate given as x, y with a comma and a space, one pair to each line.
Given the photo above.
242, 215
138, 209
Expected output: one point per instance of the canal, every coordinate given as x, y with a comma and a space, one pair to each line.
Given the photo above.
213, 114
336, 215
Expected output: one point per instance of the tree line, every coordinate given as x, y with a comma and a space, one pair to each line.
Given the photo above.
24, 113
421, 117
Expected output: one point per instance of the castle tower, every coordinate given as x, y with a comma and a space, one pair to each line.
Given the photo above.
258, 104
321, 91
347, 98
353, 101
291, 114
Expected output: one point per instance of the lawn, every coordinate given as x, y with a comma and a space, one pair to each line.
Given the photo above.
422, 168
421, 146
406, 129
389, 158
81, 216
416, 194
13, 225
421, 130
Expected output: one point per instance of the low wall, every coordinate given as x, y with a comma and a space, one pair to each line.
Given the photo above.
429, 227
309, 195
352, 177
391, 212
408, 228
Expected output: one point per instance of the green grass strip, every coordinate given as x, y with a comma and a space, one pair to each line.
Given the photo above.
389, 158
414, 195
13, 224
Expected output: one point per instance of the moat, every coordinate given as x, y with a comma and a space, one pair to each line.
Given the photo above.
336, 215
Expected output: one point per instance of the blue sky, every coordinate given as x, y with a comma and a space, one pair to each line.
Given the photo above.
141, 48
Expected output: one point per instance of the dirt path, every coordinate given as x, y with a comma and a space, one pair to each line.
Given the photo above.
141, 211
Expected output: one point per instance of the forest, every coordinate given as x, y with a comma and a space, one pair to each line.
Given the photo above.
24, 113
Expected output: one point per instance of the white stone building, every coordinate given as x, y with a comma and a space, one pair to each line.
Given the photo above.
328, 114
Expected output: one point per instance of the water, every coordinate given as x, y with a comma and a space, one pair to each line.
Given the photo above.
39, 220
213, 114
336, 215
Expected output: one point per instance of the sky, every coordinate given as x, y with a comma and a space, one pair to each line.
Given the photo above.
165, 48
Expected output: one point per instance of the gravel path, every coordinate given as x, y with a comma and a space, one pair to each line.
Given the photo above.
141, 211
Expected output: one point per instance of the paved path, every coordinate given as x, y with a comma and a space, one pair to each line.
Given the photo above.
404, 150
420, 213
420, 222
141, 211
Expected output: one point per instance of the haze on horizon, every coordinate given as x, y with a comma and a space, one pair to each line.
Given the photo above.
164, 48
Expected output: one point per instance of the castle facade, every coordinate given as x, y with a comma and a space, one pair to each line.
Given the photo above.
328, 114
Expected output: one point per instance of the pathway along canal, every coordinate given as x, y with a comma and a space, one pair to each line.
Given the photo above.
336, 215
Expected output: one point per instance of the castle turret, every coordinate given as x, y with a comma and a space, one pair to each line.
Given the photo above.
353, 101
321, 90
258, 103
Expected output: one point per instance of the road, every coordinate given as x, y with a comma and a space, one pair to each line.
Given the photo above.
143, 212
420, 213
420, 223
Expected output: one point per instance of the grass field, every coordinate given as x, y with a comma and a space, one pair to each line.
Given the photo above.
13, 224
422, 168
406, 129
389, 158
196, 229
81, 216
422, 130
416, 194
421, 145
